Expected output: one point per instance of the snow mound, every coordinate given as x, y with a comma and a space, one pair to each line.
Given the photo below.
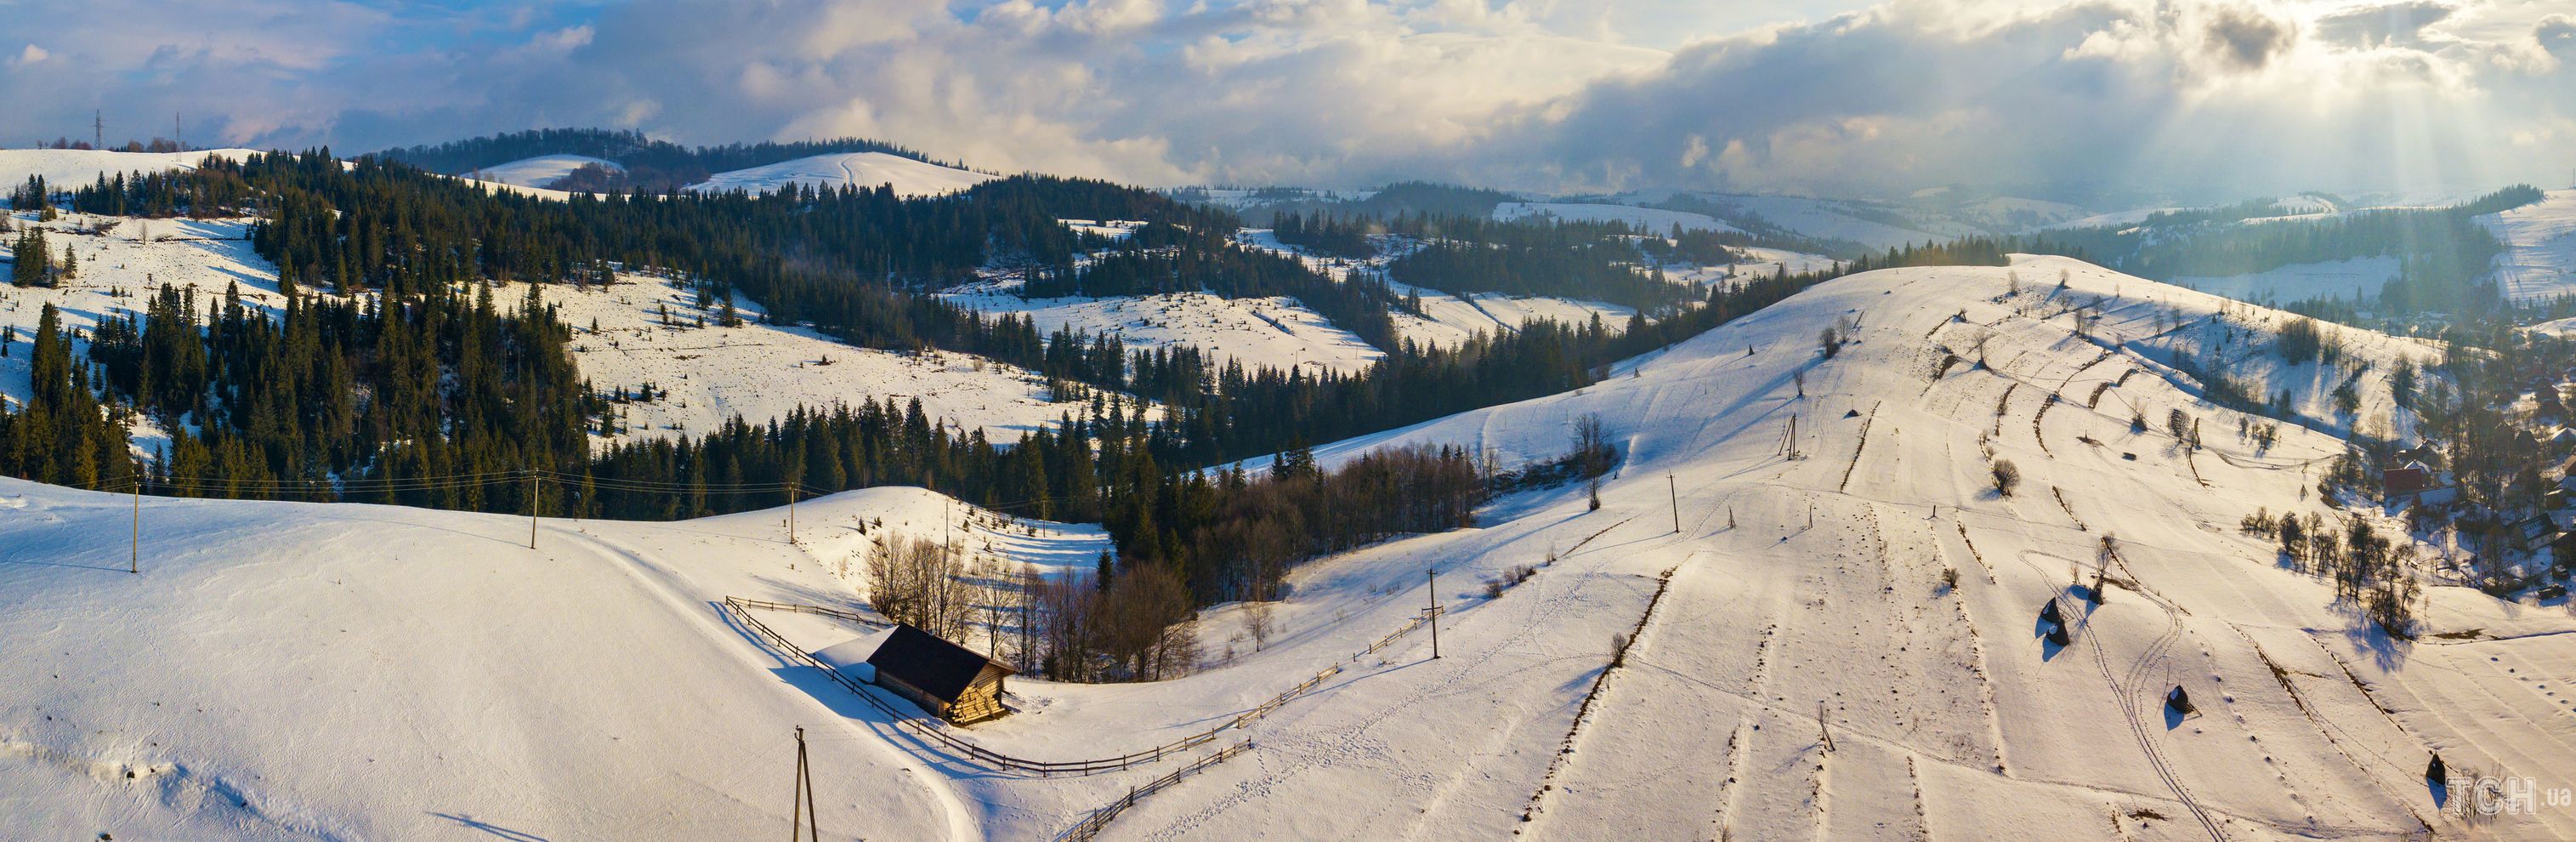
862, 169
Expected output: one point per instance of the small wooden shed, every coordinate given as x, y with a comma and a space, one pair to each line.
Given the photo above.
948, 680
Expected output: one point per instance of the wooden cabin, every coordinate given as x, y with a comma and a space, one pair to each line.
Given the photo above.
947, 680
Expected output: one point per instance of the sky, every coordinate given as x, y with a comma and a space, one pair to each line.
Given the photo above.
2154, 98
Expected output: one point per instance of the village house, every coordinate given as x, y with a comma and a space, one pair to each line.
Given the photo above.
947, 680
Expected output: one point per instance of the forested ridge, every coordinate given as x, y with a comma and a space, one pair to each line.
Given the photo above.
2443, 253
650, 163
392, 371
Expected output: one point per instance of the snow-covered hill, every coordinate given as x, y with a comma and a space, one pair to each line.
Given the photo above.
863, 169
1276, 331
287, 671
2540, 248
1448, 319
1818, 586
709, 372
1825, 620
541, 171
704, 372
120, 268
69, 168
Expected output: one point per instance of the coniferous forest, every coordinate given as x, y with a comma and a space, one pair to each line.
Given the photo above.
393, 370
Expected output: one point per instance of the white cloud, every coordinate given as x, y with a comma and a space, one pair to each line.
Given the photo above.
2156, 95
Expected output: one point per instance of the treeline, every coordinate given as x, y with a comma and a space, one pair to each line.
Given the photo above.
1697, 246
63, 434
1596, 261
1325, 234
1162, 257
287, 405
652, 165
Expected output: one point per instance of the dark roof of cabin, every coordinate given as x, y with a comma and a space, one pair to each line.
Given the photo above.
931, 665
2408, 480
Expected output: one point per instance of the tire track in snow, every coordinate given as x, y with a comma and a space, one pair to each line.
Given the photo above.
2126, 698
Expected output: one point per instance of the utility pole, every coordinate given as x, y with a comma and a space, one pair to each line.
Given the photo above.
792, 489
1434, 611
98, 129
1675, 488
802, 801
532, 509
134, 563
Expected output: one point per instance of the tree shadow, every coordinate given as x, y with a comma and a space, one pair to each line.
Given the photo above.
30, 561
471, 823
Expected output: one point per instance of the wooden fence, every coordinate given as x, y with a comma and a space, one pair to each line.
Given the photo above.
938, 733
1091, 825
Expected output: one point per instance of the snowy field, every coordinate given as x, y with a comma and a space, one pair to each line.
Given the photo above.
1447, 319
1275, 331
2539, 261
862, 169
2351, 280
1841, 642
540, 171
712, 373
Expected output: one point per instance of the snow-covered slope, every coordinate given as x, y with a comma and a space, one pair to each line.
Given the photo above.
1447, 319
541, 171
119, 271
708, 373
1829, 632
2539, 261
1815, 587
295, 671
1275, 331
69, 168
863, 169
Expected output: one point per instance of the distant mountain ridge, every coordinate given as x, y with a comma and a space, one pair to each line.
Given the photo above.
649, 162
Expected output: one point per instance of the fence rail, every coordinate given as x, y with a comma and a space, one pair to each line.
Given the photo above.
824, 610
940, 734
1091, 825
